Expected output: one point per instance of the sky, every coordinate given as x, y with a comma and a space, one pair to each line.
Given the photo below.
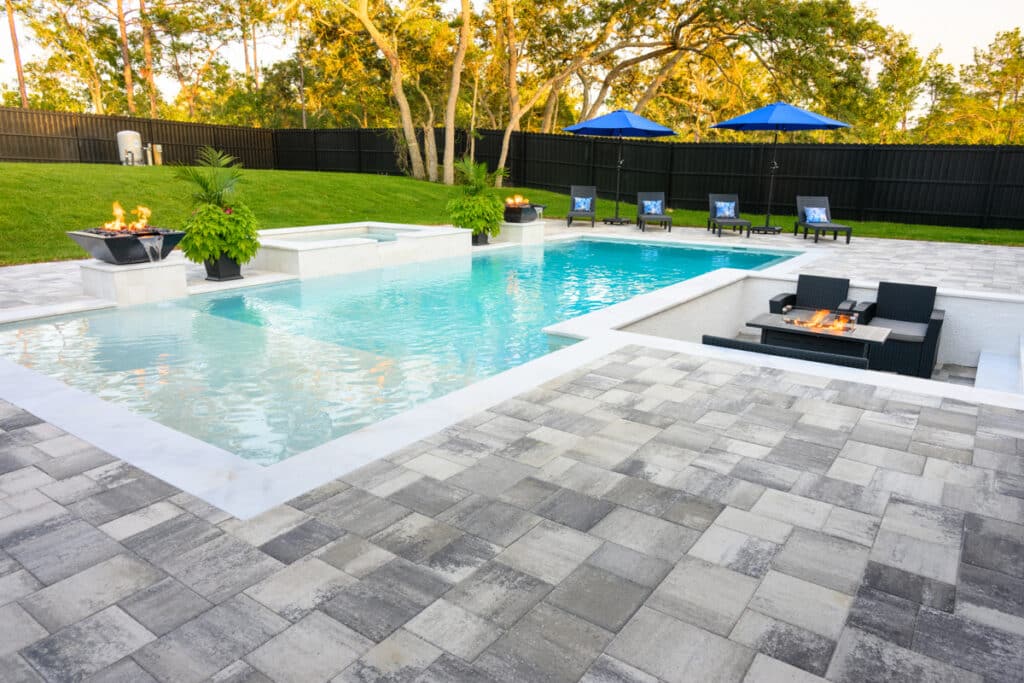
957, 26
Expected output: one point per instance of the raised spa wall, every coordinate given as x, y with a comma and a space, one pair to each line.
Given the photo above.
295, 251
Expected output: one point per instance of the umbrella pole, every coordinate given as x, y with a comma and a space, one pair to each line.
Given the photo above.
618, 181
773, 166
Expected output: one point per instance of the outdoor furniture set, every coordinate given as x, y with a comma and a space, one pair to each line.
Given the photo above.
898, 332
813, 214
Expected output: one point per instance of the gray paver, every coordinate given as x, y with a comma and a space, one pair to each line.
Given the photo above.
676, 651
598, 596
862, 657
88, 646
704, 594
314, 649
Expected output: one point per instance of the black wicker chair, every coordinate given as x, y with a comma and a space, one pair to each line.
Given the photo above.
582, 192
909, 311
643, 218
716, 222
819, 228
815, 292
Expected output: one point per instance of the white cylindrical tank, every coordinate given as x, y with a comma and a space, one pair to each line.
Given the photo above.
129, 148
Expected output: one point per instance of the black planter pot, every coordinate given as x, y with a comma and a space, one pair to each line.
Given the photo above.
224, 268
479, 239
126, 248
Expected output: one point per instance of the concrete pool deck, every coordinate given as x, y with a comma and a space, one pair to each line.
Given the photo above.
652, 515
660, 512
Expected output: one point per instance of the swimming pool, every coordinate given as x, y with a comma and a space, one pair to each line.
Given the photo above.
267, 372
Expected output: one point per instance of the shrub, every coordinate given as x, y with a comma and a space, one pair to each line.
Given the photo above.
213, 230
477, 209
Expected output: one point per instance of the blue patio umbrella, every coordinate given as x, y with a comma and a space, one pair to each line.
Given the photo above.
779, 117
620, 124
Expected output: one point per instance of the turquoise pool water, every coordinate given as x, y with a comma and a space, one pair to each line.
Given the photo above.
267, 372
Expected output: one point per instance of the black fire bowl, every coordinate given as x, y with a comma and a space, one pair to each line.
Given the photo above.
124, 248
520, 214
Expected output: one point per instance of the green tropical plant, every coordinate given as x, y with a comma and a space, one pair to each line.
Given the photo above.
477, 209
217, 226
212, 230
214, 178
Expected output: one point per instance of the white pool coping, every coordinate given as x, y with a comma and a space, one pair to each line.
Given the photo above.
245, 489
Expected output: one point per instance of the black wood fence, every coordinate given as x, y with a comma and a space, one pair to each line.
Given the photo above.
975, 186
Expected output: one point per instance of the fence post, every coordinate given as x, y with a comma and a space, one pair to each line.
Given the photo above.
668, 173
865, 153
78, 136
593, 168
990, 189
359, 150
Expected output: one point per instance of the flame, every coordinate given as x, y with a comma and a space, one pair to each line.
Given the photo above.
517, 200
140, 224
824, 320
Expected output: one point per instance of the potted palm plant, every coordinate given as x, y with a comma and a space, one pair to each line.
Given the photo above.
221, 231
477, 209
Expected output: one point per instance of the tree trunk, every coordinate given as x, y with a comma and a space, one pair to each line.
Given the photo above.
147, 53
244, 30
453, 93
17, 55
472, 117
126, 58
551, 106
652, 90
617, 70
255, 60
429, 138
514, 108
361, 13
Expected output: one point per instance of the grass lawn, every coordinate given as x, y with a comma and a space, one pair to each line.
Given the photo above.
41, 201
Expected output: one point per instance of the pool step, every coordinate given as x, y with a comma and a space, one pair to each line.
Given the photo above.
1001, 371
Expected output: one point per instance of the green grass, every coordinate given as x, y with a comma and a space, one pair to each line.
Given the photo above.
41, 201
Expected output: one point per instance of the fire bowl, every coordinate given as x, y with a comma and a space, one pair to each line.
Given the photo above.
123, 248
520, 214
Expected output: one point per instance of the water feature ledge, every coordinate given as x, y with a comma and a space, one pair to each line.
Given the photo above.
138, 283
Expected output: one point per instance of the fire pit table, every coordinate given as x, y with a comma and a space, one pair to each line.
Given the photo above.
818, 331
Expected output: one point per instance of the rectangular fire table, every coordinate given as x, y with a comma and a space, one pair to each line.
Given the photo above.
850, 342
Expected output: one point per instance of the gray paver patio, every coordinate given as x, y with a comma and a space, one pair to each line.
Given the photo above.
804, 530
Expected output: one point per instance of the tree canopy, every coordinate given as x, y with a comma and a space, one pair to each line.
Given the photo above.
411, 65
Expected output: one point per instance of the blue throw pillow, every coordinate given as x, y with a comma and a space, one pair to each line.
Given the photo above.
725, 209
654, 207
815, 214
581, 203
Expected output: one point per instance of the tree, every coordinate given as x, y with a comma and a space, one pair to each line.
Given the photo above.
17, 54
455, 84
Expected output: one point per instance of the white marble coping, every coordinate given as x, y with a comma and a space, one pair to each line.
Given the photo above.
251, 279
174, 260
278, 237
31, 312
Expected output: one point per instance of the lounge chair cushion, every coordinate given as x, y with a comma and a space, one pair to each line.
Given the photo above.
582, 203
902, 330
815, 214
725, 209
654, 207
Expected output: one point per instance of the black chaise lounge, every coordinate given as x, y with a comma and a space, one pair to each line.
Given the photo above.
787, 352
819, 220
650, 208
909, 311
813, 293
724, 212
584, 197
